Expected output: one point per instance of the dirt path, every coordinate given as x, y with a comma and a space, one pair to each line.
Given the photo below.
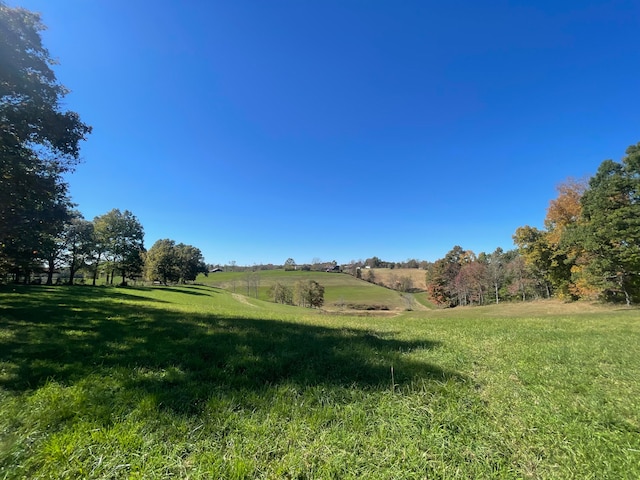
242, 299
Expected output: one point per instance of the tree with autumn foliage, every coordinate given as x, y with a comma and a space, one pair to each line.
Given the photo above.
441, 277
609, 229
563, 214
550, 255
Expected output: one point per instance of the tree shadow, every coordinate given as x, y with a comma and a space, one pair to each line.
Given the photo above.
187, 290
183, 359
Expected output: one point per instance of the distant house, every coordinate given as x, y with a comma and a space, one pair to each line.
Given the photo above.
333, 269
214, 270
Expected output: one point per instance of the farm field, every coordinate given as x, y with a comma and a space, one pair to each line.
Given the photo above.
199, 382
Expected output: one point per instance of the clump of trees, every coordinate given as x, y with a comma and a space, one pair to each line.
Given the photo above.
305, 293
168, 262
40, 231
589, 248
39, 142
464, 278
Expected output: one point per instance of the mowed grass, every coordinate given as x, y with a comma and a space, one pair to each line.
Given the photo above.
195, 382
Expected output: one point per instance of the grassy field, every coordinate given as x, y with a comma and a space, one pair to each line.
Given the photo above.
342, 291
196, 382
387, 276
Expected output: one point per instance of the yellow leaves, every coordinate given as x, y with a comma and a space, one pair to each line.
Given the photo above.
564, 210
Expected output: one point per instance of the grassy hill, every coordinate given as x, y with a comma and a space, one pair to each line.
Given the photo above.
342, 291
199, 382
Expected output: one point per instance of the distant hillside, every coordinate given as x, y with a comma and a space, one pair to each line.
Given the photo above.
342, 291
389, 277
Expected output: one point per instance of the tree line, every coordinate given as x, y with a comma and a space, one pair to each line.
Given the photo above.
589, 248
40, 230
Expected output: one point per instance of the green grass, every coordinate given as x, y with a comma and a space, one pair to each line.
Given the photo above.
341, 290
195, 382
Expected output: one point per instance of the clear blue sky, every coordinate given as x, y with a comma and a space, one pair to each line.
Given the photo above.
262, 130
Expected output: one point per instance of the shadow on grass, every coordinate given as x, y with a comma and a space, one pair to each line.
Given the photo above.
68, 333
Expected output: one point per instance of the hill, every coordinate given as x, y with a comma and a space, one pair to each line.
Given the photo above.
342, 292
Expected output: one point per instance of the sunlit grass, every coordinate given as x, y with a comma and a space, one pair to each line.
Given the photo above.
193, 382
341, 290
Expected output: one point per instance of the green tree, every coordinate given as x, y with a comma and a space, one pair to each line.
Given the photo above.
610, 226
120, 240
167, 262
290, 264
78, 237
52, 241
160, 262
39, 141
190, 262
534, 247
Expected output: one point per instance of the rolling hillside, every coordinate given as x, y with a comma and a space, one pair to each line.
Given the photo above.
342, 291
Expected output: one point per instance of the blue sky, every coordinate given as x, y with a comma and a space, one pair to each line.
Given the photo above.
339, 130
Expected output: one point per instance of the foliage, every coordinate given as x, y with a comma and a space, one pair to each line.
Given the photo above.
39, 141
549, 257
119, 239
533, 245
308, 294
167, 262
78, 238
190, 262
591, 243
160, 262
610, 227
281, 293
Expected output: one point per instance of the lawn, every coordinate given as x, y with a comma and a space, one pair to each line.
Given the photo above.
196, 382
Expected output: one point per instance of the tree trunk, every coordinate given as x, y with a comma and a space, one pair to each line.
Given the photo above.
72, 272
95, 270
50, 270
627, 297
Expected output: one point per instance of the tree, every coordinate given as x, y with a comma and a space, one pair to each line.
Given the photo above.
563, 215
281, 293
252, 282
495, 264
160, 262
610, 226
39, 141
373, 262
79, 242
190, 262
308, 294
167, 262
565, 210
369, 276
120, 240
533, 245
441, 275
470, 283
289, 264
52, 241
